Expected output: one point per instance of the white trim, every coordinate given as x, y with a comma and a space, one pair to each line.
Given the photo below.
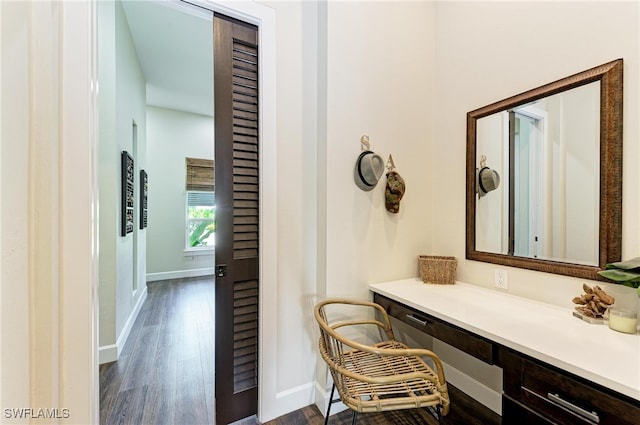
5, 378
187, 8
293, 398
269, 304
111, 353
78, 290
322, 400
108, 353
199, 252
473, 388
180, 274
248, 11
265, 18
295, 390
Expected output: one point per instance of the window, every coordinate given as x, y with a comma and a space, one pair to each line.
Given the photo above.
201, 220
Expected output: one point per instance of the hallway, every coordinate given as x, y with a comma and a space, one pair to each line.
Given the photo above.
165, 374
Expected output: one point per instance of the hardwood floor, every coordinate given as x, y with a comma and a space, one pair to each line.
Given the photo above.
464, 411
165, 374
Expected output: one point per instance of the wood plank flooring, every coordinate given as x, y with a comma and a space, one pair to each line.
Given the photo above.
165, 374
464, 411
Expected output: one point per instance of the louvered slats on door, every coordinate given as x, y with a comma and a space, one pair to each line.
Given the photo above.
245, 151
245, 212
245, 334
237, 218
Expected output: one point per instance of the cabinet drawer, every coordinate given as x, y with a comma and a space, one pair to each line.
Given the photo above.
514, 413
466, 341
561, 397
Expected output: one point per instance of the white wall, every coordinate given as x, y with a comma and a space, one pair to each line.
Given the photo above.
380, 76
14, 204
108, 168
122, 101
337, 80
171, 137
479, 60
131, 103
473, 71
379, 82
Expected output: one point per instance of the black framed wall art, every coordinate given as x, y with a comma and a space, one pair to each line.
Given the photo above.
144, 191
127, 193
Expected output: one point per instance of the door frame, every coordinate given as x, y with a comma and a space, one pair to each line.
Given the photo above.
80, 388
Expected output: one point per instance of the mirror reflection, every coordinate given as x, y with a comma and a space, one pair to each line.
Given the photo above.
547, 153
544, 176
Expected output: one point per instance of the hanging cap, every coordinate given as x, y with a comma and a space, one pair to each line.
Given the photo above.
394, 192
368, 170
488, 180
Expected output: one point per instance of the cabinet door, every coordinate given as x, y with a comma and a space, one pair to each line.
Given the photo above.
514, 413
560, 397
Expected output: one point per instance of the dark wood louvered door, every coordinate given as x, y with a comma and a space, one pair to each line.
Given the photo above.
237, 218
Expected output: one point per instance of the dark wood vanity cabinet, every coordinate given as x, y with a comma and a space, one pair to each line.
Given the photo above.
537, 393
464, 340
534, 393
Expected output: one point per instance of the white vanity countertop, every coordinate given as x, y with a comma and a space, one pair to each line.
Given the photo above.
542, 331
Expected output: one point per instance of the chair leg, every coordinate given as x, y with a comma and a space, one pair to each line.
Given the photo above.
435, 412
326, 418
355, 418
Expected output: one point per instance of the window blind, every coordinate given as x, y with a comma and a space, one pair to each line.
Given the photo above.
201, 199
200, 174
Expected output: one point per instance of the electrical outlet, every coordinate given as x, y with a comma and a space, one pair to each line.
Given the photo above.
500, 279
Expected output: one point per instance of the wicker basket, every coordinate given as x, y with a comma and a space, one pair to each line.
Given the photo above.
437, 269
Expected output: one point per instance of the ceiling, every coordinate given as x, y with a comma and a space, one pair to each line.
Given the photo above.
174, 42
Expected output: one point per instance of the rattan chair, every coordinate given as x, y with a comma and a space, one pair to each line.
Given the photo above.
383, 376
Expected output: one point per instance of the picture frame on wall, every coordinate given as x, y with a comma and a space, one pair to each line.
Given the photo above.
144, 191
127, 193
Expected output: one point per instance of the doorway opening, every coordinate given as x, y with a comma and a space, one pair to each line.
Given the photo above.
265, 18
156, 69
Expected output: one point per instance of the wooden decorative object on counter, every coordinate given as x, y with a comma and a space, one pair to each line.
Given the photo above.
592, 304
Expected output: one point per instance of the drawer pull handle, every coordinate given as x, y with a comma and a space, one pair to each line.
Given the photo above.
416, 320
590, 416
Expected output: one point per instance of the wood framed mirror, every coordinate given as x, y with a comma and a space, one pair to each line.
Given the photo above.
558, 151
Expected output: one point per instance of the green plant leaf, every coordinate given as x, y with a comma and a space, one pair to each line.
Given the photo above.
631, 264
200, 233
625, 277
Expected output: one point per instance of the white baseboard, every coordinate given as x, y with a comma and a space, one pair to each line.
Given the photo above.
322, 400
107, 353
473, 388
293, 399
179, 274
111, 353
